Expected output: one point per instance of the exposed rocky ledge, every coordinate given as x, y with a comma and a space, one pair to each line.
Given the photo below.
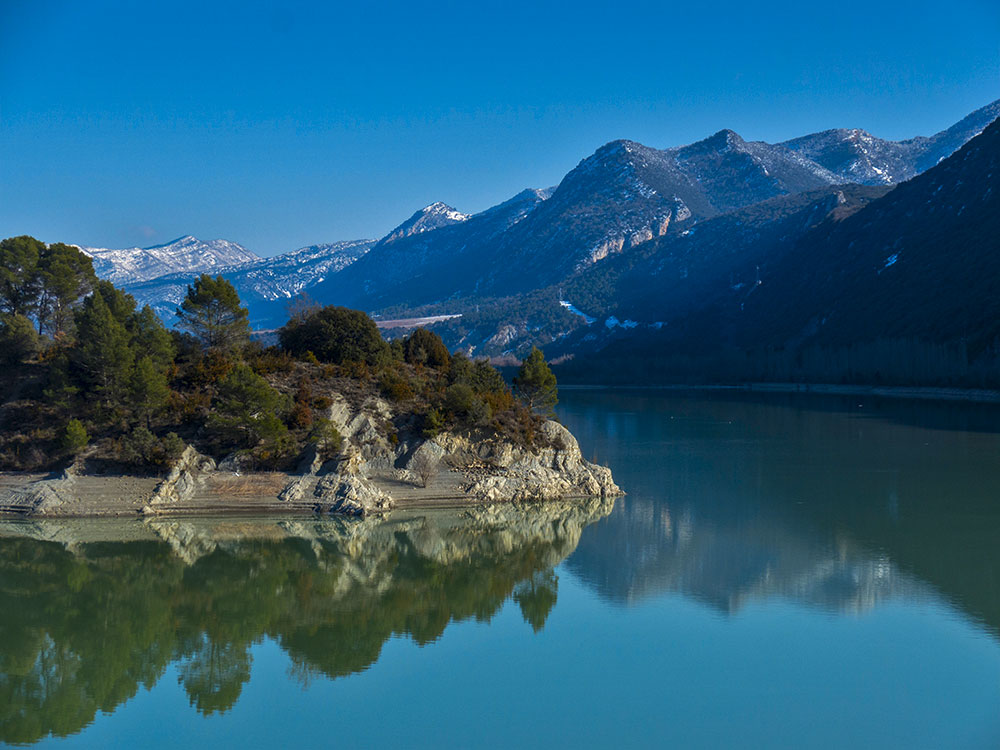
375, 471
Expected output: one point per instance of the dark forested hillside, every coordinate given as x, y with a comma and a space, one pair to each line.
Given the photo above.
903, 290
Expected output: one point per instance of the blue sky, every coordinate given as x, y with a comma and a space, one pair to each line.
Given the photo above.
127, 123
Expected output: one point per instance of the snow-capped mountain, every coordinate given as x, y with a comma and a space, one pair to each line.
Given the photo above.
428, 218
624, 195
618, 201
281, 277
418, 265
186, 254
858, 156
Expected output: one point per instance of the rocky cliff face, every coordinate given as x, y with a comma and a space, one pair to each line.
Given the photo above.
375, 473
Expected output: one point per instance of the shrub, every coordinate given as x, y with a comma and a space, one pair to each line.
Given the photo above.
394, 386
269, 360
462, 402
75, 437
326, 438
335, 335
423, 347
142, 448
425, 466
433, 423
301, 415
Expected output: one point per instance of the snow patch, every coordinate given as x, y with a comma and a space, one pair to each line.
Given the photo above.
573, 309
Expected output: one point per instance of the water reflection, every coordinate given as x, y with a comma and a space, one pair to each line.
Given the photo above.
728, 565
835, 502
91, 611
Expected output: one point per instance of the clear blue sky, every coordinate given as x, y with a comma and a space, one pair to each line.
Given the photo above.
131, 123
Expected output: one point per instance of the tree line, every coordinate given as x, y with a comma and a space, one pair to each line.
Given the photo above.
89, 371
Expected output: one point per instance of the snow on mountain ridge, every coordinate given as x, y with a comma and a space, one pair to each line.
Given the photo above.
186, 254
427, 219
260, 280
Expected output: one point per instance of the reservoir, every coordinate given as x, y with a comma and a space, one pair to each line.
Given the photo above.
786, 570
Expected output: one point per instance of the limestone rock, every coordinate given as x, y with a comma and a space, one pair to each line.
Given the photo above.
352, 495
183, 478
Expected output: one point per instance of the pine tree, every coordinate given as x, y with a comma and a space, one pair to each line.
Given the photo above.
75, 437
536, 384
247, 409
151, 337
149, 389
64, 277
18, 274
18, 339
211, 312
103, 357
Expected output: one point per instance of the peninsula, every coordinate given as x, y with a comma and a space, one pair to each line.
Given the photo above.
107, 412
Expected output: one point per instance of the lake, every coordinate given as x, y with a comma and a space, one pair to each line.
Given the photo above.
785, 571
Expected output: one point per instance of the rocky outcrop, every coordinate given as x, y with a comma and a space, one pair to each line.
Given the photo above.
190, 469
499, 470
381, 464
352, 495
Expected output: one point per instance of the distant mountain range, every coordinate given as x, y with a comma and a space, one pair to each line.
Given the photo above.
159, 276
184, 255
631, 244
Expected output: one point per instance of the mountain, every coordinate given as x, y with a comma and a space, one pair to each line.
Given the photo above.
622, 196
858, 156
655, 282
278, 279
902, 290
185, 254
434, 216
633, 236
416, 267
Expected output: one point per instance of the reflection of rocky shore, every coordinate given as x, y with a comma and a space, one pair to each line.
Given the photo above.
728, 563
90, 611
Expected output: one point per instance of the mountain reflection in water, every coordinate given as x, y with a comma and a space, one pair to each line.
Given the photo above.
838, 502
90, 611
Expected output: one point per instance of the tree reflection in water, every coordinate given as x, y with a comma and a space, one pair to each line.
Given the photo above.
85, 621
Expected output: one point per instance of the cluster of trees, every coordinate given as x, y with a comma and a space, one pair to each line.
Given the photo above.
441, 389
39, 287
94, 369
90, 366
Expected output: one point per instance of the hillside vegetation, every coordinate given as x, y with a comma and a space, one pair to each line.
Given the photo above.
91, 375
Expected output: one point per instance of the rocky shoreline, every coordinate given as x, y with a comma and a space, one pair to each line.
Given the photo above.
374, 472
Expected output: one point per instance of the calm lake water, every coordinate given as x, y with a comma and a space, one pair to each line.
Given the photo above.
786, 571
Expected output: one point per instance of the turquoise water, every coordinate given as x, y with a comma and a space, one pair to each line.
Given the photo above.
784, 572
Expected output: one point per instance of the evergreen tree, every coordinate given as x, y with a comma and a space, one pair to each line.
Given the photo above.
149, 389
151, 337
64, 277
536, 384
336, 335
103, 357
121, 304
75, 437
18, 274
247, 409
211, 312
18, 339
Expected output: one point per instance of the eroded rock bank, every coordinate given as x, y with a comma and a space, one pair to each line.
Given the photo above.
377, 468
